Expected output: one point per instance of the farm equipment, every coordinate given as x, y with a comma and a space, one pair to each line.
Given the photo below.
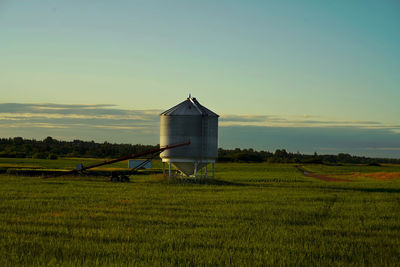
115, 176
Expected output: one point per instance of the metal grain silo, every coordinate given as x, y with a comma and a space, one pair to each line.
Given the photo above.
189, 120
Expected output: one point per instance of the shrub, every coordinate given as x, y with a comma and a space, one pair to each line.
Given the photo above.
39, 155
52, 156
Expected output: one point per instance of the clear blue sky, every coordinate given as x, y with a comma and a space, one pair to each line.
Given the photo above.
331, 60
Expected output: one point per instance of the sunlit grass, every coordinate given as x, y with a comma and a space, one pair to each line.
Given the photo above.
252, 214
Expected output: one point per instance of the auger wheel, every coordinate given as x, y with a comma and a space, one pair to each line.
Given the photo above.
119, 178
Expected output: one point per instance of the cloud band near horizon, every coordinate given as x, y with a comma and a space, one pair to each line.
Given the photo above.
104, 122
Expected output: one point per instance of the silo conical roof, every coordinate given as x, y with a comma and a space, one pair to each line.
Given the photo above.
190, 107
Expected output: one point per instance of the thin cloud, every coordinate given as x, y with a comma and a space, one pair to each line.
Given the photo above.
51, 106
89, 120
116, 127
297, 121
388, 148
28, 116
106, 114
34, 125
265, 132
251, 118
93, 110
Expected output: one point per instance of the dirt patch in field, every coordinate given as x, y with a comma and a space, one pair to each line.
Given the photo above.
377, 175
384, 176
321, 176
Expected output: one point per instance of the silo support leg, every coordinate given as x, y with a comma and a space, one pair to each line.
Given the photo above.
169, 169
195, 171
163, 169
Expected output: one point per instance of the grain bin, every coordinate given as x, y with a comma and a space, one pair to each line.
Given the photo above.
189, 120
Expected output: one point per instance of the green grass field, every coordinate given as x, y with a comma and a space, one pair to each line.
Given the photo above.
252, 214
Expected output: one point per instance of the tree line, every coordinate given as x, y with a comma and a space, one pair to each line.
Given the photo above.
282, 156
50, 148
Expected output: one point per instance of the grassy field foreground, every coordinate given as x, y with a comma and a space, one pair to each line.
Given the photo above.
252, 214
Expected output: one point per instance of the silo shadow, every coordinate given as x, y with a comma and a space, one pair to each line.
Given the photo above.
203, 181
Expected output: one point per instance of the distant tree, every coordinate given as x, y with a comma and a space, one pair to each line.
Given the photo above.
18, 140
48, 140
52, 156
40, 155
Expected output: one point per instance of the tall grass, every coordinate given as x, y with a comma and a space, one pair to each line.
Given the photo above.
253, 214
